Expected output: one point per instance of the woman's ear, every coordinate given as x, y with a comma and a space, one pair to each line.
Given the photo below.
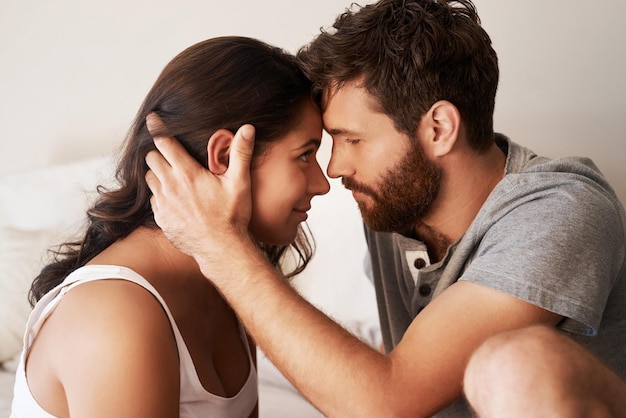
218, 151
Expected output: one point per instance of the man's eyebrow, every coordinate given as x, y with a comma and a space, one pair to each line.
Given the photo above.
341, 131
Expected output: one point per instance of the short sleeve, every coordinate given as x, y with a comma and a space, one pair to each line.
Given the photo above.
556, 243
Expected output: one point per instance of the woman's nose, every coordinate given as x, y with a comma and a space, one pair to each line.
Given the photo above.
318, 184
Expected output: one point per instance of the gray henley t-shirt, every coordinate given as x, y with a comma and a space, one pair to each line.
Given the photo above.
552, 232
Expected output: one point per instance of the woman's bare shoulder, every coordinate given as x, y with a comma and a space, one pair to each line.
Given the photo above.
118, 311
109, 339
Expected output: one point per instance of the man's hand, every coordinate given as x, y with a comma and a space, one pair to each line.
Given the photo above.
200, 212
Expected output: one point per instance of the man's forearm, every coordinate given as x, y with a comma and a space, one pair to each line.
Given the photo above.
336, 371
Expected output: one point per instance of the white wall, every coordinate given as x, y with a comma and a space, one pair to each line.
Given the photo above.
563, 83
73, 74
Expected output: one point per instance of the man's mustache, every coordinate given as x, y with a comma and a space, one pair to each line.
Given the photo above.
355, 186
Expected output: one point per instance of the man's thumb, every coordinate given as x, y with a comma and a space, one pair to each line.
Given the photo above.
241, 151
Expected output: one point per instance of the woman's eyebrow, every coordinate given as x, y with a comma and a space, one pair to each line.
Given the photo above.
313, 141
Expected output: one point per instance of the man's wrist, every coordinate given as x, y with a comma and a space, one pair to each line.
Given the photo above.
230, 259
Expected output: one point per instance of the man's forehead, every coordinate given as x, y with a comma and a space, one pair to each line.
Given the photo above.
342, 101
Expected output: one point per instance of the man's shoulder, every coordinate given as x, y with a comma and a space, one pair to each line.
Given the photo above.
524, 161
528, 173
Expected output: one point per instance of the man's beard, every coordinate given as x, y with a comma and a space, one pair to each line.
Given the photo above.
406, 193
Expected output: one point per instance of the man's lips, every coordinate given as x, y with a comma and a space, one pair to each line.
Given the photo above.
356, 188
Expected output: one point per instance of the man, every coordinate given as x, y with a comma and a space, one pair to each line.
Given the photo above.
470, 234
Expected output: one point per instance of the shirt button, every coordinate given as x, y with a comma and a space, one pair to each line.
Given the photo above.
419, 263
424, 290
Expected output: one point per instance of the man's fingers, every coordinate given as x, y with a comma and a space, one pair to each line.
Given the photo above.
241, 152
173, 152
155, 125
157, 164
152, 181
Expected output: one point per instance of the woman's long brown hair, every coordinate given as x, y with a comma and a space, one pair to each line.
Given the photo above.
218, 83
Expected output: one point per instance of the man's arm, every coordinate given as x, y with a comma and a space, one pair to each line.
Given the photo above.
337, 372
343, 376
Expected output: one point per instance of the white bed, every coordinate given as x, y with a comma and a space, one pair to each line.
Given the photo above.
40, 207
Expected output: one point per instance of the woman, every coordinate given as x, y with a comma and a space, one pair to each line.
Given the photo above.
124, 324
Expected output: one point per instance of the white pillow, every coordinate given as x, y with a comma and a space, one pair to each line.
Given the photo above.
21, 257
38, 209
51, 197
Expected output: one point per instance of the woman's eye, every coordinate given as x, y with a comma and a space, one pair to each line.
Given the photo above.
352, 141
305, 157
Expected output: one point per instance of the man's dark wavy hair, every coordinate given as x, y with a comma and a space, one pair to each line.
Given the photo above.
409, 54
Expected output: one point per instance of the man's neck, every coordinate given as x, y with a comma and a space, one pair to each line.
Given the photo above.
467, 181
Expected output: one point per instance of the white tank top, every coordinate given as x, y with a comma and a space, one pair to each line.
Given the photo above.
195, 401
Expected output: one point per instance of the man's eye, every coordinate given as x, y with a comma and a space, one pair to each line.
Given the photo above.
352, 141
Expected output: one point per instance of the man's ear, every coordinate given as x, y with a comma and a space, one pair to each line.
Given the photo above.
218, 151
439, 128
